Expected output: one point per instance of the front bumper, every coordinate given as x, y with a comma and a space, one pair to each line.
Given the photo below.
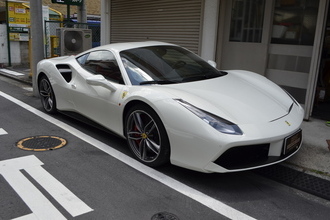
197, 146
253, 156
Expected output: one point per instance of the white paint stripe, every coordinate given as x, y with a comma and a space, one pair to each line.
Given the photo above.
32, 165
30, 89
12, 72
27, 217
20, 163
2, 131
202, 198
36, 201
58, 191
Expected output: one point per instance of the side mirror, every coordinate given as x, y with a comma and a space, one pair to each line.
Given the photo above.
99, 80
212, 63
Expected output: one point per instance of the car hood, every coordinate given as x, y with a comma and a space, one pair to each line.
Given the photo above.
240, 96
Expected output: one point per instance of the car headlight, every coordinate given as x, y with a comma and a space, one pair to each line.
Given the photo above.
216, 122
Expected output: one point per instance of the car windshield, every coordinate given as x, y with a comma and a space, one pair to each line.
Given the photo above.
165, 65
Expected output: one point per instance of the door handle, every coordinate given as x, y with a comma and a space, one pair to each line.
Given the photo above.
73, 86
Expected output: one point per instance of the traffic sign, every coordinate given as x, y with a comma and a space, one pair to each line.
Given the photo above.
68, 2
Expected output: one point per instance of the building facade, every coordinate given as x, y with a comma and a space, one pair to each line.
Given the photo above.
93, 6
19, 22
284, 40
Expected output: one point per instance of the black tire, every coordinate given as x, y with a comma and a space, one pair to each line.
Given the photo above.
146, 136
47, 95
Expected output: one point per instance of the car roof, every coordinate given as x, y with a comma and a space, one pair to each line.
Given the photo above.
127, 45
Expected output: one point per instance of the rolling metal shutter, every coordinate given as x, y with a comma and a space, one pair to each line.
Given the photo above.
172, 21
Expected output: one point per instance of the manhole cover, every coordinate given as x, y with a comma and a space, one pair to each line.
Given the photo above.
41, 143
164, 216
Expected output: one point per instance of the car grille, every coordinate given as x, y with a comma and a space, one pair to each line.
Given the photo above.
248, 156
245, 156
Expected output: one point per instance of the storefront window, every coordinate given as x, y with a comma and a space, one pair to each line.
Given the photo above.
295, 22
247, 20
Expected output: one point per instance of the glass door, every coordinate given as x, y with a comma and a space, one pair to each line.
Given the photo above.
245, 38
291, 49
247, 21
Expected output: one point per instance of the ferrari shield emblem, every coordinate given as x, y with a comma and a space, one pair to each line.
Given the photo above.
288, 123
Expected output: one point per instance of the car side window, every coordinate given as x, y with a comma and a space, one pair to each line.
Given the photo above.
81, 60
102, 62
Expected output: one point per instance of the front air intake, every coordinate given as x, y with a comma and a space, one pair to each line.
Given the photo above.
244, 156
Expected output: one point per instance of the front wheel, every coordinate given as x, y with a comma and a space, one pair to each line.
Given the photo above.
47, 95
146, 136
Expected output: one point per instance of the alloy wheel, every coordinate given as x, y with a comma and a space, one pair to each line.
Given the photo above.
143, 136
47, 95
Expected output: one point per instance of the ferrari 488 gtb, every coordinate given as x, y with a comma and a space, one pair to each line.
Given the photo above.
172, 106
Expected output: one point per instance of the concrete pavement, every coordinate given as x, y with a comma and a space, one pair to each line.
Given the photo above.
314, 155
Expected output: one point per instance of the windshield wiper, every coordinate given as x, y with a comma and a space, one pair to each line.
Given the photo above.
200, 77
157, 82
205, 75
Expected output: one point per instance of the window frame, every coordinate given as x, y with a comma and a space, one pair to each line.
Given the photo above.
102, 66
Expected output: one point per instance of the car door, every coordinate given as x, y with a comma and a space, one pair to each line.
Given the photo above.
97, 102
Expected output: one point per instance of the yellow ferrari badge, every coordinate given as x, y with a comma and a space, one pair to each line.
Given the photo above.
124, 94
288, 123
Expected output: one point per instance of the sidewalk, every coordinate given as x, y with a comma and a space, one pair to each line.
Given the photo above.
314, 155
20, 73
313, 158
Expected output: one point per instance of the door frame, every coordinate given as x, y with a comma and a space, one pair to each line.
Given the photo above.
316, 57
222, 55
223, 38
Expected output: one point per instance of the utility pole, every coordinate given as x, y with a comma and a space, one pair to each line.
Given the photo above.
37, 41
82, 13
8, 35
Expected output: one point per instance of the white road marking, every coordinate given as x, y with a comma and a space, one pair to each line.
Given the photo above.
11, 72
34, 199
196, 195
41, 207
58, 191
30, 89
2, 131
27, 217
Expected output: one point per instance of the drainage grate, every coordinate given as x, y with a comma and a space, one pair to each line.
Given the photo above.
41, 143
299, 180
164, 216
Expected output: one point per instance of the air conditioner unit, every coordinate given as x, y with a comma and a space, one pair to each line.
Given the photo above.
74, 40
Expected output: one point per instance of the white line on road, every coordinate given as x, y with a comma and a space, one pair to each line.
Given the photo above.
34, 199
11, 72
27, 191
30, 88
196, 195
31, 216
2, 131
58, 191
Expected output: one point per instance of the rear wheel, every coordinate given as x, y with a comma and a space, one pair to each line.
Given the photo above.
47, 95
146, 136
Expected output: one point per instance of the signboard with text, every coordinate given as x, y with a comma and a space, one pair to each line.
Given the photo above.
19, 21
19, 15
68, 2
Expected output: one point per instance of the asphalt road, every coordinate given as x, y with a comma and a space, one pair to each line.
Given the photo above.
94, 177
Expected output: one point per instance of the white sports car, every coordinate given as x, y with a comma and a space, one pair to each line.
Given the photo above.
172, 106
